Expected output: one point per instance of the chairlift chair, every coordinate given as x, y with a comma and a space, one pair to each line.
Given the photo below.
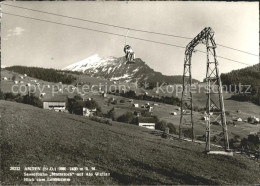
130, 56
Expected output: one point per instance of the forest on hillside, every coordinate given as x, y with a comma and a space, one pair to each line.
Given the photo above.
50, 75
246, 76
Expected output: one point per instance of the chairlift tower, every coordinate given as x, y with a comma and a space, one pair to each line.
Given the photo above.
215, 111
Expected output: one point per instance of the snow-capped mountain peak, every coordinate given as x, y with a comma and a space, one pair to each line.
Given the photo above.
117, 69
91, 62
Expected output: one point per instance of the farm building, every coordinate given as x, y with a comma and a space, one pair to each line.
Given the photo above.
88, 112
149, 108
20, 81
205, 118
147, 122
57, 106
5, 78
15, 82
253, 120
25, 75
135, 105
104, 95
239, 119
174, 113
42, 94
21, 77
136, 113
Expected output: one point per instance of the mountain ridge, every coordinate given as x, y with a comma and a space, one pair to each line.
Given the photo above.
116, 69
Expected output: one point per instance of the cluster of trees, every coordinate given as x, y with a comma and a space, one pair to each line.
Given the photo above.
247, 76
128, 117
163, 99
252, 142
75, 105
162, 125
26, 99
50, 75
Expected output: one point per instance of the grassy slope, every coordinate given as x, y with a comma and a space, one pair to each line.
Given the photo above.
36, 137
163, 110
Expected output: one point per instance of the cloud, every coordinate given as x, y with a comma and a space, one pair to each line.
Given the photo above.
17, 31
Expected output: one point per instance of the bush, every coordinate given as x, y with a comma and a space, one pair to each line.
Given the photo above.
161, 125
111, 114
101, 120
114, 102
127, 118
76, 104
172, 128
196, 108
32, 100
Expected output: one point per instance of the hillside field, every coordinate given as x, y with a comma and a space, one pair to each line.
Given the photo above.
162, 111
132, 155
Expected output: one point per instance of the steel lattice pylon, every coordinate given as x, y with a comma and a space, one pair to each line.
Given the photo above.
215, 110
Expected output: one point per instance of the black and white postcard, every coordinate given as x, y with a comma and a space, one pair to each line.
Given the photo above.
129, 93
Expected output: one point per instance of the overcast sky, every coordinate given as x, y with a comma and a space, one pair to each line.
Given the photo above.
34, 43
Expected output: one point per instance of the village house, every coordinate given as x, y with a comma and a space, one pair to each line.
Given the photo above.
15, 82
205, 118
42, 94
174, 113
136, 105
57, 106
149, 108
5, 78
89, 112
137, 114
104, 95
239, 119
253, 120
147, 122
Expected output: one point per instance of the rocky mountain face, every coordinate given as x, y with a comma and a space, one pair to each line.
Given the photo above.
116, 69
